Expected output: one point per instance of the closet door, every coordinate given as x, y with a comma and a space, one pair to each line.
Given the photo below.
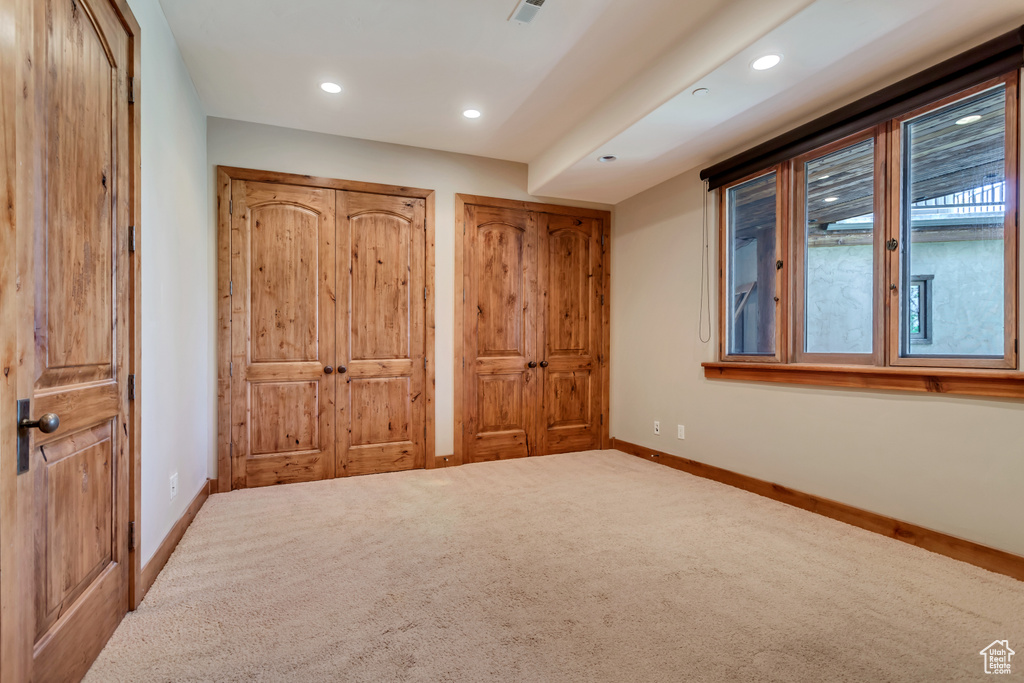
283, 333
501, 312
570, 376
381, 313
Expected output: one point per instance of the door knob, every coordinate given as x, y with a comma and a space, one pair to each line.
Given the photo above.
543, 363
532, 364
342, 369
47, 424
328, 370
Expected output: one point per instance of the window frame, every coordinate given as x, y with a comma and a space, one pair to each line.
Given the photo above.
883, 367
798, 294
1010, 238
781, 243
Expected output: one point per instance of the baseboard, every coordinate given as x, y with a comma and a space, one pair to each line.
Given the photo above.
998, 561
170, 542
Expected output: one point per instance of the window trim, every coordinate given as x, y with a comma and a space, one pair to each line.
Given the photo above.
798, 256
1010, 242
781, 243
883, 369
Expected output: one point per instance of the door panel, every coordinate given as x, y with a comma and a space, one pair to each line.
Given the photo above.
381, 398
79, 473
501, 334
571, 406
283, 333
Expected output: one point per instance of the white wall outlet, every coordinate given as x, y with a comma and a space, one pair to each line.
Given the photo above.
681, 431
657, 427
174, 485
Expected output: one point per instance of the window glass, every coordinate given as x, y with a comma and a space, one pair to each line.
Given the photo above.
751, 215
839, 234
954, 206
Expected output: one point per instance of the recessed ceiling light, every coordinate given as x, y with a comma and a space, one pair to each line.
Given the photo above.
824, 177
831, 199
766, 62
471, 114
607, 158
332, 88
701, 92
968, 119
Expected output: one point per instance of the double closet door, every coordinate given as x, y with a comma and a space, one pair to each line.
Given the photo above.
327, 333
534, 325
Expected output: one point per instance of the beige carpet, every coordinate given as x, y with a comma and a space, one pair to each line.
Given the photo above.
585, 567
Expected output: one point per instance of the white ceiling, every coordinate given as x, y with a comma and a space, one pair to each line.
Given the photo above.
587, 77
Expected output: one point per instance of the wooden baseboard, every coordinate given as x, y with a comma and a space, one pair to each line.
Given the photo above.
170, 542
998, 561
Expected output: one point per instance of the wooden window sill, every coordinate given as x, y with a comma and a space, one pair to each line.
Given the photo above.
998, 383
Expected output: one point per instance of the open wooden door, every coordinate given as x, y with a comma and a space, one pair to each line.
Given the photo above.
66, 566
282, 333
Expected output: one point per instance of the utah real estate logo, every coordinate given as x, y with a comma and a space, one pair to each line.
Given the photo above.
997, 657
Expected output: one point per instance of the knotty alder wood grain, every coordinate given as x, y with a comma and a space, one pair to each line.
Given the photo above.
534, 280
325, 307
74, 140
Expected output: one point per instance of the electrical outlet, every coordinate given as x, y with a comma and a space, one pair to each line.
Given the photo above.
681, 431
174, 485
657, 427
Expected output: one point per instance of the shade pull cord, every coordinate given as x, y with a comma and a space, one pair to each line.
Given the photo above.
705, 274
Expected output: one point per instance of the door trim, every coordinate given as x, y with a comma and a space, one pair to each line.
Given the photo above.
225, 176
461, 281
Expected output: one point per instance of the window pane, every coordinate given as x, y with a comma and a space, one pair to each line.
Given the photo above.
839, 255
953, 224
750, 208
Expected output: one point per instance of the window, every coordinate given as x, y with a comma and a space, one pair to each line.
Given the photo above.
753, 249
894, 246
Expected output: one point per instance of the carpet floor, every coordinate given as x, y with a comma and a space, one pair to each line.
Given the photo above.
592, 566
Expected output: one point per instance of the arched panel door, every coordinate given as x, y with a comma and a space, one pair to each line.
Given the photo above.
571, 374
381, 341
283, 334
500, 326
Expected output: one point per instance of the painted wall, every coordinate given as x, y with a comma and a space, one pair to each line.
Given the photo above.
251, 145
178, 381
953, 464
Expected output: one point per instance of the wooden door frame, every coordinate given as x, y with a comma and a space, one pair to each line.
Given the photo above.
462, 281
225, 175
20, 91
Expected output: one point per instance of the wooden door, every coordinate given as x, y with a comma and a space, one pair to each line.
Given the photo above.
501, 341
79, 302
381, 313
283, 294
571, 377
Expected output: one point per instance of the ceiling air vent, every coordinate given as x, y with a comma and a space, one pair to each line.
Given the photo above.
526, 10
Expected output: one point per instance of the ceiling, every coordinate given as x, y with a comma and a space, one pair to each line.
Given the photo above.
585, 78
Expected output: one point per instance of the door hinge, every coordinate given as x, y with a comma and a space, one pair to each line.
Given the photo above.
424, 293
231, 207
424, 363
231, 288
131, 90
131, 535
602, 418
602, 239
131, 387
602, 299
131, 239
231, 369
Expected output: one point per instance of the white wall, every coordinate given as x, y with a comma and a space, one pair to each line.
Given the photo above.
178, 386
251, 145
952, 464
